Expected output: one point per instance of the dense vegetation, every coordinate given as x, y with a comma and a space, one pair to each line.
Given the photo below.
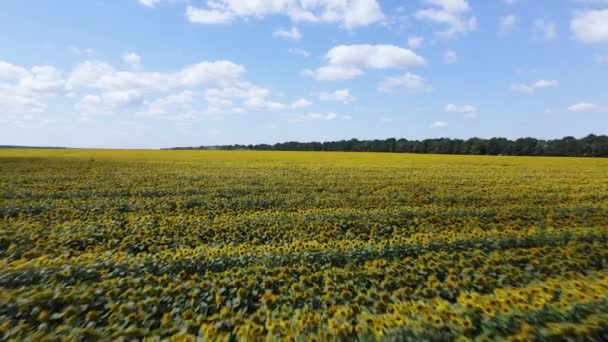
589, 146
131, 245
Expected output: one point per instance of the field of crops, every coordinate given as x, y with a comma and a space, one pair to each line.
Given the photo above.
301, 246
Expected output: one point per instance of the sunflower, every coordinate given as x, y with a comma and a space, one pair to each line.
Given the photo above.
242, 293
346, 295
165, 319
269, 298
43, 316
378, 331
488, 310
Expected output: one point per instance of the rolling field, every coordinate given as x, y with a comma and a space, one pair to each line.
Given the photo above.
294, 246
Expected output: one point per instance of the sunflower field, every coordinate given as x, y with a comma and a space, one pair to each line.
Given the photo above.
295, 246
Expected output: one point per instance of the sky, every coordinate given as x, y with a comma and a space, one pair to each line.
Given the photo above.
164, 73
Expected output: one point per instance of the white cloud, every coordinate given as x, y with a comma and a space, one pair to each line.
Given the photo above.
109, 102
301, 103
415, 42
207, 16
127, 98
175, 105
347, 61
450, 57
292, 34
259, 103
333, 73
43, 79
547, 29
350, 13
464, 109
243, 96
207, 72
100, 89
591, 26
507, 24
546, 84
408, 81
523, 88
450, 13
317, 117
299, 52
15, 99
584, 107
149, 3
25, 90
82, 51
342, 95
450, 5
102, 76
132, 59
469, 111
373, 56
532, 88
89, 104
439, 124
11, 72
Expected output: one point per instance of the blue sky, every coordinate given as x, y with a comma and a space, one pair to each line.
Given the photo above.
161, 73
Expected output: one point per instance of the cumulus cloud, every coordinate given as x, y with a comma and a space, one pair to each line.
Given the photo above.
10, 71
81, 51
178, 105
415, 42
410, 82
299, 52
101, 75
439, 124
318, 117
43, 79
207, 16
507, 24
132, 59
107, 103
89, 104
342, 95
25, 90
13, 98
348, 61
547, 29
468, 111
350, 13
591, 26
333, 73
532, 88
291, 34
98, 88
301, 103
245, 96
584, 107
149, 3
452, 14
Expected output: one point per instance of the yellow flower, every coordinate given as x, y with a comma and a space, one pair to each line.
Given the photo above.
242, 293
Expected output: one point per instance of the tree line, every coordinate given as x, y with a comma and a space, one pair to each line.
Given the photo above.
589, 146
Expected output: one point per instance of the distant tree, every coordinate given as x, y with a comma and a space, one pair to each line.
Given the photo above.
589, 146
